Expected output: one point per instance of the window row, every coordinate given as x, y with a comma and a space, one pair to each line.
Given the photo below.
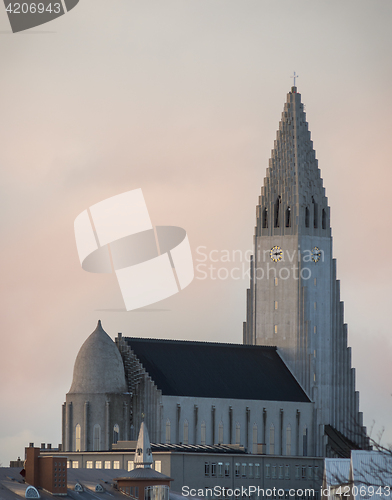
109, 464
272, 448
96, 436
287, 217
252, 470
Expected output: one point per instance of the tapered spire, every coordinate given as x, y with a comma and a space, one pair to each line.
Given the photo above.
143, 455
293, 199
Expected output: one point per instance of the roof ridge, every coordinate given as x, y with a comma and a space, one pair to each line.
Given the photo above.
202, 342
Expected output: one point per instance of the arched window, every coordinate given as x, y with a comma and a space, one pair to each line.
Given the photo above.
265, 218
78, 435
185, 439
167, 431
315, 214
97, 438
272, 440
254, 439
305, 442
116, 433
237, 433
288, 217
203, 433
306, 217
276, 218
220, 433
324, 219
288, 440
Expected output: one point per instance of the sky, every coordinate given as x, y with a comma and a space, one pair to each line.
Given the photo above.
182, 98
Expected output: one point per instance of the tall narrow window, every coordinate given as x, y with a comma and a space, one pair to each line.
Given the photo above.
307, 217
77, 437
305, 442
237, 433
276, 218
167, 431
203, 433
220, 433
265, 218
116, 433
254, 440
288, 440
97, 438
315, 214
288, 217
272, 440
324, 219
185, 438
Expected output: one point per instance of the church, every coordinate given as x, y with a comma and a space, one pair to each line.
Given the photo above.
288, 390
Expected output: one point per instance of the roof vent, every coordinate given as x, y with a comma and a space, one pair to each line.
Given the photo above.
78, 487
99, 489
31, 492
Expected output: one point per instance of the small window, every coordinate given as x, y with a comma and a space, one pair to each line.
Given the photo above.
272, 440
267, 471
213, 469
276, 219
315, 281
316, 472
287, 472
237, 470
167, 431
220, 469
227, 469
237, 433
77, 438
116, 433
203, 433
265, 218
306, 217
108, 464
158, 465
257, 470
324, 219
276, 305
89, 464
98, 464
220, 433
304, 472
116, 464
274, 472
315, 305
250, 471
243, 470
310, 472
315, 329
315, 214
75, 464
96, 438
288, 440
288, 217
276, 281
186, 432
207, 469
297, 474
276, 328
280, 471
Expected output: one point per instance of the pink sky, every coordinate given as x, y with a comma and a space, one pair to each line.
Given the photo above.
182, 99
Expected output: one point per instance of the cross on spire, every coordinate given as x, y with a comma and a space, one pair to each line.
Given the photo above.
294, 77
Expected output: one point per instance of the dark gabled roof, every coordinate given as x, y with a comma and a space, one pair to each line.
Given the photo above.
212, 370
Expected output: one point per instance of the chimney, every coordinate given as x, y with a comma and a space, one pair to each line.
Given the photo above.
31, 445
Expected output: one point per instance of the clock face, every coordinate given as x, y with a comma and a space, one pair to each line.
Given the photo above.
276, 253
316, 254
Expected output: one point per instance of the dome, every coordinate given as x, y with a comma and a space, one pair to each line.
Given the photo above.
98, 367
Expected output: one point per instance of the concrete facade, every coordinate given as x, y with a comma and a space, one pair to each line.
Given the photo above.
294, 298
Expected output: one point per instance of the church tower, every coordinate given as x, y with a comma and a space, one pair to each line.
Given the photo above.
294, 299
